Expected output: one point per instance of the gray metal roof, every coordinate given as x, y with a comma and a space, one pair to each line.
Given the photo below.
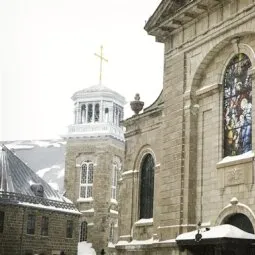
16, 179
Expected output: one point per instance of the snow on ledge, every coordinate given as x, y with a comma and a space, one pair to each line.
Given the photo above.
144, 222
87, 199
52, 208
231, 160
221, 231
114, 212
91, 210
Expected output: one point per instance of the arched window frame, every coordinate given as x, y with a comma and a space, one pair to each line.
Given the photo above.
84, 231
237, 106
146, 192
86, 179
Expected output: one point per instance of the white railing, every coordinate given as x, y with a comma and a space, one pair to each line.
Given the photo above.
95, 129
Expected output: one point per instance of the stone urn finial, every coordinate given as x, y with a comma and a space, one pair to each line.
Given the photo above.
136, 105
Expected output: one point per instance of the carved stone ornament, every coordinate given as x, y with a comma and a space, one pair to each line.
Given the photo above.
136, 105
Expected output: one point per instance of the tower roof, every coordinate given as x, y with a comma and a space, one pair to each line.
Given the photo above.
97, 91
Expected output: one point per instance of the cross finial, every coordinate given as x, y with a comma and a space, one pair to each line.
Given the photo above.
101, 63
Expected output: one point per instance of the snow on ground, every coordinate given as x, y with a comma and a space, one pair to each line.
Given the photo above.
85, 248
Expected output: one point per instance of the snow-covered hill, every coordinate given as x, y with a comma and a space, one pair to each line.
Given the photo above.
46, 158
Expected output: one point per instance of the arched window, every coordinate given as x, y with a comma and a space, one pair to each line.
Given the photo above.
86, 181
147, 187
237, 106
114, 181
84, 231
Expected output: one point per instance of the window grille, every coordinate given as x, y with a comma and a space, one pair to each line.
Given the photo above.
1, 222
86, 182
237, 106
147, 187
69, 229
44, 226
31, 224
84, 231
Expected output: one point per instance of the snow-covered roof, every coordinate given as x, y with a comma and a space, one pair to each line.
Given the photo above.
221, 231
20, 184
98, 91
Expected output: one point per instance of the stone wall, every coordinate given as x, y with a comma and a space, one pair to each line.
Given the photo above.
100, 211
15, 241
192, 183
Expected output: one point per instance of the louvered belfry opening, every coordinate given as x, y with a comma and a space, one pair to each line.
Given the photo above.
147, 187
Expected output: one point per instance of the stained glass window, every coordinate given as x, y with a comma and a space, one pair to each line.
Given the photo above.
237, 106
147, 187
84, 231
86, 181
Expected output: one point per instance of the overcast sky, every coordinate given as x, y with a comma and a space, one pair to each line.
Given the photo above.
47, 53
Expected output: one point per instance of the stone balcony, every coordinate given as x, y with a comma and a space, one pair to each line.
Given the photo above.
95, 130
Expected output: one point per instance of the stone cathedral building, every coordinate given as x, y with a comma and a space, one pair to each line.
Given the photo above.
94, 157
188, 178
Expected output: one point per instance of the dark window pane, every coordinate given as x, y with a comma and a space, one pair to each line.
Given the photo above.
44, 226
31, 224
147, 187
69, 229
84, 231
90, 112
1, 222
237, 106
97, 112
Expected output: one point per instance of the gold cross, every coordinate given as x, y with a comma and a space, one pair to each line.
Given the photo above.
101, 63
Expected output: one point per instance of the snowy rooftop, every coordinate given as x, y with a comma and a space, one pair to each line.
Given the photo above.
20, 184
221, 231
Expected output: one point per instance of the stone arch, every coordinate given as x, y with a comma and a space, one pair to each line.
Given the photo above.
240, 48
235, 208
141, 154
196, 79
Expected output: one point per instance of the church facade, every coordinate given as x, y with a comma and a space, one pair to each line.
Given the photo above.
189, 156
93, 165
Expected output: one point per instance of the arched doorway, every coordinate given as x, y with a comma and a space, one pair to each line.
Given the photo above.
241, 221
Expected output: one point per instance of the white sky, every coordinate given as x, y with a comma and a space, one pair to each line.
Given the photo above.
47, 53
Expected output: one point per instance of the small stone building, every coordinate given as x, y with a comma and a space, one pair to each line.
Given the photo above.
34, 218
189, 156
93, 165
